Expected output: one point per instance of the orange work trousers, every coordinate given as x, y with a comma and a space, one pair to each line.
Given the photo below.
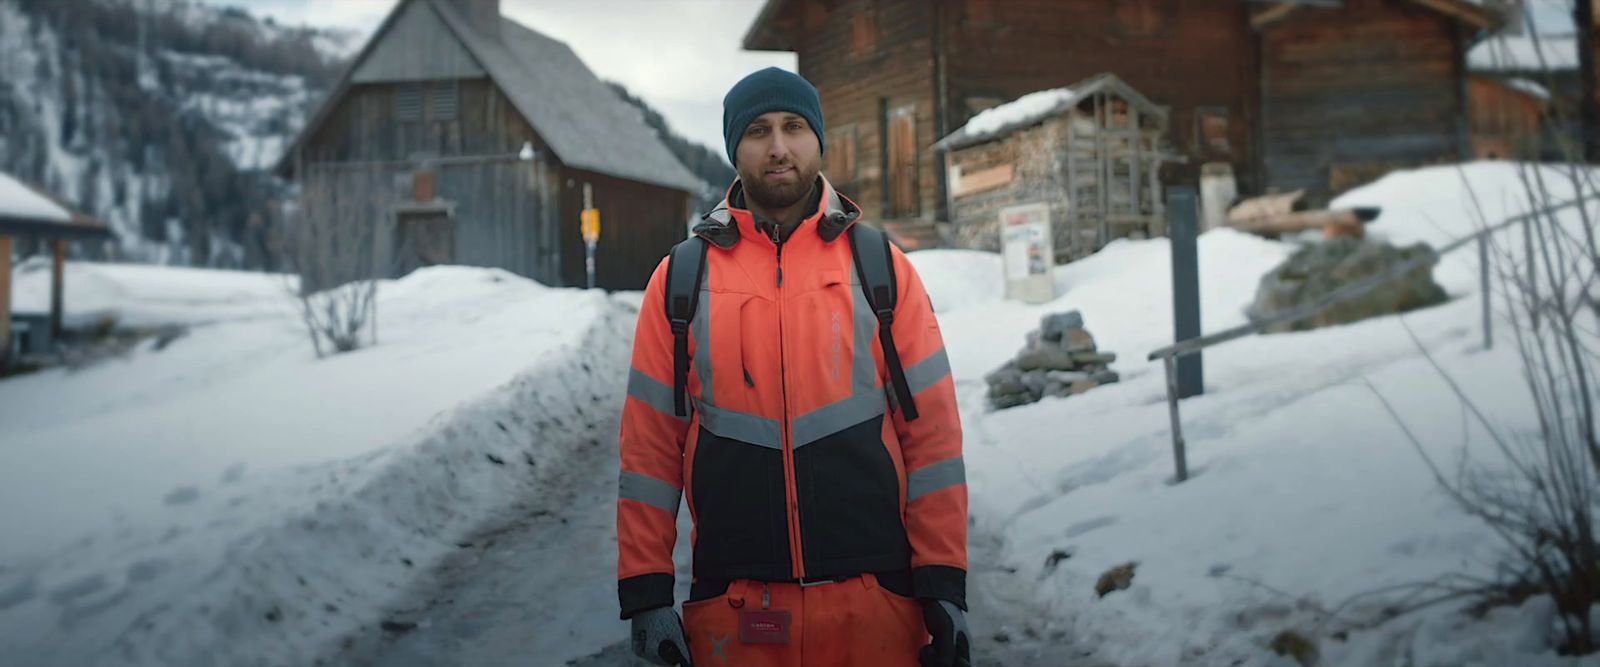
850, 623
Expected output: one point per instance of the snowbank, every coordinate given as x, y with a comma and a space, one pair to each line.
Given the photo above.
229, 499
143, 296
1304, 491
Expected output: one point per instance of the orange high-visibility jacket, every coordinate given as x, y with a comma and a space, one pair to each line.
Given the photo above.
797, 462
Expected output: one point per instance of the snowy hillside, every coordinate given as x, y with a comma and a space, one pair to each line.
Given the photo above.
225, 495
157, 117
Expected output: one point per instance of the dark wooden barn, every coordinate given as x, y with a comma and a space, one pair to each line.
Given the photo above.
1304, 93
458, 136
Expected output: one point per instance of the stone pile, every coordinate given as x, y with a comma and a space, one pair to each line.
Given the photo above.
1060, 359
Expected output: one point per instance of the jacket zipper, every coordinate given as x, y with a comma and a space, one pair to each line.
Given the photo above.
791, 493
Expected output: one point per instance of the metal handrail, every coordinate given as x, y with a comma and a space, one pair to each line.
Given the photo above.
1170, 354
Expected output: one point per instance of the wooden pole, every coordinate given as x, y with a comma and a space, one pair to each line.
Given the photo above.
5, 300
57, 287
1179, 457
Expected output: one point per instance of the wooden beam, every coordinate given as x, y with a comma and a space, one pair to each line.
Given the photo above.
57, 285
980, 181
5, 299
1271, 15
1467, 12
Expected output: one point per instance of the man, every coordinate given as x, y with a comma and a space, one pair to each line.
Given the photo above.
830, 516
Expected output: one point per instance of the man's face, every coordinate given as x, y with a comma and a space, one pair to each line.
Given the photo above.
778, 159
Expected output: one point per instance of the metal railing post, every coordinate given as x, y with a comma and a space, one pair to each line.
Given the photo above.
1179, 457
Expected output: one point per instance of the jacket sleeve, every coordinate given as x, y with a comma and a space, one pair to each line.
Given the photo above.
651, 444
936, 488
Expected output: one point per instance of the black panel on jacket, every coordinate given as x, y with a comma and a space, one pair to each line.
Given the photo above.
741, 521
849, 497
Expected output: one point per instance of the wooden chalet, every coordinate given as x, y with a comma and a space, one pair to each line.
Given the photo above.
30, 213
1317, 94
467, 138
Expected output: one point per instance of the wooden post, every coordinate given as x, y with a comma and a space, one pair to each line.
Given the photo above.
5, 300
1483, 285
1179, 457
57, 287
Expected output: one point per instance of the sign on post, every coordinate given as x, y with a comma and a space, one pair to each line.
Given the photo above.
1028, 252
589, 226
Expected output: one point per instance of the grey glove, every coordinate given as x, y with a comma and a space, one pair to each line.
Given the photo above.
658, 638
952, 643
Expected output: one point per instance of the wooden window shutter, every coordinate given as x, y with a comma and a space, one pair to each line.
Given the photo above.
1211, 130
408, 102
903, 161
842, 154
863, 34
445, 98
1138, 18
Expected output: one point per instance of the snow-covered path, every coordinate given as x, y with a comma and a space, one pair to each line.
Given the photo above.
541, 591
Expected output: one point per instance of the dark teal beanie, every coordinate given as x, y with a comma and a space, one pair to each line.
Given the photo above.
769, 90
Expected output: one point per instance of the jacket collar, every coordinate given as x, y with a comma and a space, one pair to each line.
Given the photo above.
726, 224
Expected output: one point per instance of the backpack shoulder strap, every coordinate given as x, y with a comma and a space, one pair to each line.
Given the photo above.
875, 268
686, 267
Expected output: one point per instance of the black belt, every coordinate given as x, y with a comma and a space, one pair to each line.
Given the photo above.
895, 581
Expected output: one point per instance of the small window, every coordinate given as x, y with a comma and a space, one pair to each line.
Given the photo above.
1137, 18
863, 34
842, 154
1211, 130
408, 102
444, 97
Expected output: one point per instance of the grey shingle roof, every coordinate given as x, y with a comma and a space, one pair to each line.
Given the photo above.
583, 121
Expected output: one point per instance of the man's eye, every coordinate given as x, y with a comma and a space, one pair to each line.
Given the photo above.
755, 131
795, 126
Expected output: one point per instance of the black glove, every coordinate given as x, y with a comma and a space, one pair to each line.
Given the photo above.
658, 638
952, 644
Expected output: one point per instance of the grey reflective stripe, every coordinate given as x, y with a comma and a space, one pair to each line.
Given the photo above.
700, 328
649, 490
653, 393
864, 370
928, 372
740, 426
866, 399
930, 478
836, 417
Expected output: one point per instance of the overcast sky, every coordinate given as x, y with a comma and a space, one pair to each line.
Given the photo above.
681, 56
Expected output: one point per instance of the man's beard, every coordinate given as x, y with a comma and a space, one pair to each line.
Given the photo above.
780, 195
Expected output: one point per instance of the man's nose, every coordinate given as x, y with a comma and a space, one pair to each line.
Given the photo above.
779, 148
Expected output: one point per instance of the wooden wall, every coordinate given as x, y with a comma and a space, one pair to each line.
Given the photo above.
868, 59
1350, 93
1183, 54
639, 223
1505, 121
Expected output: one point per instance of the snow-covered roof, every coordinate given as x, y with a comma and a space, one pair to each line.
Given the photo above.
1528, 86
1524, 53
1034, 107
21, 203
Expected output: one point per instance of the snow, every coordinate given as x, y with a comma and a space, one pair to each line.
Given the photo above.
1016, 113
1530, 87
218, 495
145, 297
1304, 492
1524, 53
19, 201
228, 499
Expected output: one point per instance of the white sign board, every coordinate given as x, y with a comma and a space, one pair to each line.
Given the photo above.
1028, 251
